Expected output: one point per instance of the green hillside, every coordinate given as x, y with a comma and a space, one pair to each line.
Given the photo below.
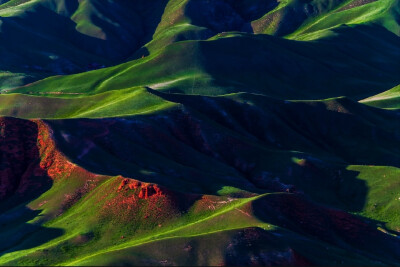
253, 63
70, 36
90, 34
198, 132
187, 152
389, 99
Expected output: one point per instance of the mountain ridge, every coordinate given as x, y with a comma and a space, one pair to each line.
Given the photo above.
198, 132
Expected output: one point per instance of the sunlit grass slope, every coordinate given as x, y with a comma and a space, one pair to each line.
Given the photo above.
260, 64
75, 36
49, 37
108, 104
228, 171
196, 132
354, 12
388, 99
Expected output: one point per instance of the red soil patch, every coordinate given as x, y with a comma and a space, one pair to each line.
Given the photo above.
137, 200
28, 152
54, 162
139, 203
146, 190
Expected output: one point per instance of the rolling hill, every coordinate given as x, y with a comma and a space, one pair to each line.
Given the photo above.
197, 132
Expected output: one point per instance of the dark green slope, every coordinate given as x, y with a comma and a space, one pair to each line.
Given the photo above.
224, 165
353, 63
218, 132
48, 37
389, 99
74, 36
309, 20
241, 137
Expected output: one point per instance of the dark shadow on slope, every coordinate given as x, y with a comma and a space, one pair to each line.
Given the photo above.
3, 1
254, 143
137, 148
20, 235
21, 180
57, 47
258, 247
21, 177
227, 15
251, 10
217, 16
325, 137
353, 62
145, 15
51, 50
322, 128
191, 153
297, 213
290, 17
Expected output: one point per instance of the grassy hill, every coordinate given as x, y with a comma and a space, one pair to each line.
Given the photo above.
75, 36
239, 169
70, 36
196, 132
252, 63
389, 99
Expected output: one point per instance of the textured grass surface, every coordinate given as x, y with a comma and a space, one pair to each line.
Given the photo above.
258, 161
168, 133
89, 34
389, 99
109, 104
263, 64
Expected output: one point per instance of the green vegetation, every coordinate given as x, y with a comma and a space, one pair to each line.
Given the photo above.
196, 132
389, 99
109, 104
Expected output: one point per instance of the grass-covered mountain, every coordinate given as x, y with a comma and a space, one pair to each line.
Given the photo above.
199, 132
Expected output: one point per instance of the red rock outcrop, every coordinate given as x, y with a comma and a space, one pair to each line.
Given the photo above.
146, 191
